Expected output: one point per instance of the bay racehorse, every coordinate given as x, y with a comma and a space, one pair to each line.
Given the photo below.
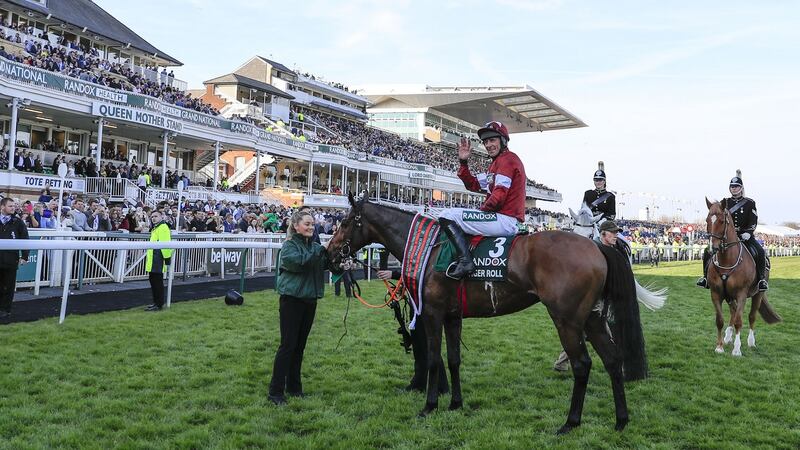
732, 277
565, 272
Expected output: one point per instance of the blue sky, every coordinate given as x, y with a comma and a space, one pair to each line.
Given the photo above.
677, 95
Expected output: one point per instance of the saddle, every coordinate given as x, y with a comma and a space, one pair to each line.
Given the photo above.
489, 253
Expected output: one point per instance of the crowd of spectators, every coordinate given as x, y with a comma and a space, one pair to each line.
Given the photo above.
80, 213
359, 137
330, 83
87, 65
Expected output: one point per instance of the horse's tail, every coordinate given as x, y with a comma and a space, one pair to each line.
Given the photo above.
767, 312
652, 299
620, 291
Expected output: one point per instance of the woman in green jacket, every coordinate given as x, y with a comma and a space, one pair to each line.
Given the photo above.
301, 267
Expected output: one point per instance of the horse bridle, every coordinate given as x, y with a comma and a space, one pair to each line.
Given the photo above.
345, 252
724, 245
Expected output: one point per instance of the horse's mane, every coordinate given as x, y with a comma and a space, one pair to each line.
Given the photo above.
392, 207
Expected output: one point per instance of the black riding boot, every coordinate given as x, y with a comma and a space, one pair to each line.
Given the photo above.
703, 282
761, 266
463, 264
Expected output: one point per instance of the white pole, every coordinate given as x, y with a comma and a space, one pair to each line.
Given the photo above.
222, 263
38, 272
330, 176
216, 165
12, 147
310, 177
171, 276
99, 148
344, 178
67, 278
258, 170
164, 161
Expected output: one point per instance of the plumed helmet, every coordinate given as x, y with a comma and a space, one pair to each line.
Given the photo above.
600, 173
737, 180
494, 129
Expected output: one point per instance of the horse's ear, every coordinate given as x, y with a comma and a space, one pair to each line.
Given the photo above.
574, 216
351, 199
597, 218
708, 203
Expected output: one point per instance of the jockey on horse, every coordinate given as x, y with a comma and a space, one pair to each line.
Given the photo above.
504, 206
745, 220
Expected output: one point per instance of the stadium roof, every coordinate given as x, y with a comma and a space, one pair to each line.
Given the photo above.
276, 65
84, 13
521, 108
233, 78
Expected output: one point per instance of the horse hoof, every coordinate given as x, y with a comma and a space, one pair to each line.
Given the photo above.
566, 428
720, 350
736, 353
621, 424
455, 405
429, 408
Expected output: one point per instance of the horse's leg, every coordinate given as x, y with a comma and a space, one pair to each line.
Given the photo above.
737, 323
717, 301
729, 330
573, 344
755, 304
452, 331
612, 360
433, 328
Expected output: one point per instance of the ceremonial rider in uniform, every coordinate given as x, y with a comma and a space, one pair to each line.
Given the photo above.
601, 202
504, 207
745, 220
599, 199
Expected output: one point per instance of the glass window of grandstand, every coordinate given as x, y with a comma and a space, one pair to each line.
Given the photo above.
66, 142
24, 136
38, 137
133, 152
121, 153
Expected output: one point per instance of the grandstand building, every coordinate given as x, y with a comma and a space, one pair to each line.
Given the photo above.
78, 85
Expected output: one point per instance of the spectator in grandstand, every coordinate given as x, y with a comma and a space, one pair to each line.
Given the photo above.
79, 218
11, 227
129, 223
158, 260
45, 196
101, 220
300, 284
230, 225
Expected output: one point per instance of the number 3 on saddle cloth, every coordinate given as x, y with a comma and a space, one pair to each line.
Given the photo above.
489, 253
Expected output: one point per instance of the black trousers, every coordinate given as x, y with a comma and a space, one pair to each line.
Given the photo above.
347, 279
8, 281
157, 288
296, 317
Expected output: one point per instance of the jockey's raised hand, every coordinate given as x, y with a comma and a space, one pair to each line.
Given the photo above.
464, 150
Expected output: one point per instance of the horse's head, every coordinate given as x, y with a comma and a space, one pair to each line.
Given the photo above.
352, 233
718, 221
585, 221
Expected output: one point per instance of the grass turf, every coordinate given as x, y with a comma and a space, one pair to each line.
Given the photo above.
196, 376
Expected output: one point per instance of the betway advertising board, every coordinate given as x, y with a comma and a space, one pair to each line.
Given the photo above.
232, 257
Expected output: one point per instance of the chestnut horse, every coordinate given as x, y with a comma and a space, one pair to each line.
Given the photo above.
732, 277
565, 272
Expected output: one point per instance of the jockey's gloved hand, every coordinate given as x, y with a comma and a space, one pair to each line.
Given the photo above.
745, 236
